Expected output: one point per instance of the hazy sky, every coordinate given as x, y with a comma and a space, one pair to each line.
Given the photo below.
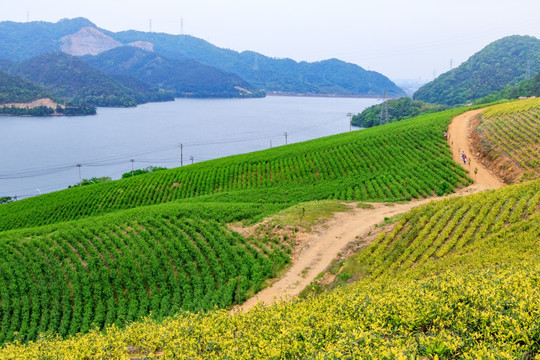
399, 38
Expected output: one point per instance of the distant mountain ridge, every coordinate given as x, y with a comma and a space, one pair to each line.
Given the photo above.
71, 79
502, 63
19, 41
331, 76
184, 78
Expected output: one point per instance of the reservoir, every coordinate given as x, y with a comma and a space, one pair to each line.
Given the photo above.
44, 154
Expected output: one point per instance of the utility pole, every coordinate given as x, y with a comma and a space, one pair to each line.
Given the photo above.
132, 161
285, 137
181, 154
80, 178
191, 158
350, 115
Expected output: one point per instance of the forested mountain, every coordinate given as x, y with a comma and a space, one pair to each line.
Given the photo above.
398, 109
72, 79
182, 77
22, 98
502, 63
525, 88
20, 41
274, 75
16, 90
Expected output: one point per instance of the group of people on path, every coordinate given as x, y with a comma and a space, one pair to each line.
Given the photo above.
463, 155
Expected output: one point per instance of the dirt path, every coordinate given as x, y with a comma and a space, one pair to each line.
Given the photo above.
459, 138
325, 241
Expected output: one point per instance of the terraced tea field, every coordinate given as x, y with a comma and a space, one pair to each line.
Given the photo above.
480, 299
513, 130
73, 277
404, 160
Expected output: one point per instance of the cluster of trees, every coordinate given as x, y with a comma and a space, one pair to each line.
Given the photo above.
92, 181
48, 111
27, 111
398, 109
5, 199
146, 170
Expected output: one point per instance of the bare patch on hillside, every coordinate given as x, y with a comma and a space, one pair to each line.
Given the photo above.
87, 41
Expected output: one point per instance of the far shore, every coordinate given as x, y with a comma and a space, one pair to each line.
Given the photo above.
326, 95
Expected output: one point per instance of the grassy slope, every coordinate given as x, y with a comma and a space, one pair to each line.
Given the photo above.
480, 300
394, 162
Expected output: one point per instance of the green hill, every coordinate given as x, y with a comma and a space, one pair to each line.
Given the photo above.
182, 77
398, 109
16, 90
500, 64
70, 78
400, 161
524, 88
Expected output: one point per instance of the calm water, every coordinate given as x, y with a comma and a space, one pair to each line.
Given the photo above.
39, 155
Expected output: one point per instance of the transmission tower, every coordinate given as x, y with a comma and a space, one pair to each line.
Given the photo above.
150, 25
528, 71
182, 26
384, 109
350, 115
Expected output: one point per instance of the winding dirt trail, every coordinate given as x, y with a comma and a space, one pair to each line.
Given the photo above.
326, 241
459, 133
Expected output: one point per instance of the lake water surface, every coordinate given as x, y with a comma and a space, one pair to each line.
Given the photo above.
41, 154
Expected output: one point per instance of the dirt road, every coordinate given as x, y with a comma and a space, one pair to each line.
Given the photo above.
459, 138
326, 241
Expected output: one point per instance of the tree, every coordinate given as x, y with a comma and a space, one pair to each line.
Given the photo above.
147, 170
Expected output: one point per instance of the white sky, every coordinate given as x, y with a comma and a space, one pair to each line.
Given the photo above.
403, 39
